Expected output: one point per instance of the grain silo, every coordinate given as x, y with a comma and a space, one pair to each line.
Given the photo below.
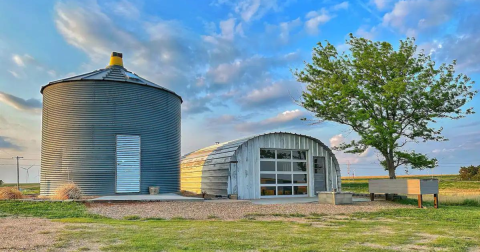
110, 131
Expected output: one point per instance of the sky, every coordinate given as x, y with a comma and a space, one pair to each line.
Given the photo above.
231, 61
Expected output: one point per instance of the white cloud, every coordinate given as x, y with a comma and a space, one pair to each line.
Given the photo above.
246, 72
413, 16
367, 33
227, 27
381, 4
315, 19
255, 9
30, 105
247, 8
126, 9
286, 119
18, 60
463, 45
336, 140
15, 74
341, 6
443, 150
272, 96
286, 28
24, 60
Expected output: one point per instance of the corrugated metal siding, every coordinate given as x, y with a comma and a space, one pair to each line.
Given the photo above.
207, 169
80, 121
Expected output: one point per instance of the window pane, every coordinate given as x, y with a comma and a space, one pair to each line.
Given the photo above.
284, 166
300, 166
298, 190
301, 155
281, 154
319, 162
299, 178
267, 165
264, 153
268, 190
284, 190
267, 178
284, 178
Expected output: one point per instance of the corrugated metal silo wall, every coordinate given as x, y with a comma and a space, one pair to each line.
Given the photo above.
80, 123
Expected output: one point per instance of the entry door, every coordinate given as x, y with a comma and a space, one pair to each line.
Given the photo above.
128, 164
319, 174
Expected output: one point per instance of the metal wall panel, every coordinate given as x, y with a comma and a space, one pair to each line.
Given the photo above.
80, 122
128, 164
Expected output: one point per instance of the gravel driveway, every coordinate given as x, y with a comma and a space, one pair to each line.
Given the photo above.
27, 234
228, 210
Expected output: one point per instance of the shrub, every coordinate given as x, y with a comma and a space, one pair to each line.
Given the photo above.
470, 173
67, 191
7, 193
1, 182
132, 217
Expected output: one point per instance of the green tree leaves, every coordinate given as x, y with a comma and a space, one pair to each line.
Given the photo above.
389, 97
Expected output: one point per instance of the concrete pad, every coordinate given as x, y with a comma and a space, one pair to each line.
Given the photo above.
144, 197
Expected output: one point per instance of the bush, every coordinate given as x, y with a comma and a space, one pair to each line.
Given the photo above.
132, 217
470, 173
67, 191
1, 182
8, 193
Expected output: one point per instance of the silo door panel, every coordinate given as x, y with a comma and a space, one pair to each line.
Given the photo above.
128, 164
319, 174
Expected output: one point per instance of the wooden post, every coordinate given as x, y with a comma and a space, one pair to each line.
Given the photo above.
420, 205
435, 200
372, 196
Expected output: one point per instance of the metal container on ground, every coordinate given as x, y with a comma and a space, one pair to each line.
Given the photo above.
153, 190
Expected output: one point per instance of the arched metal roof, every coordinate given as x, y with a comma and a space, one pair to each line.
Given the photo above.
224, 152
111, 73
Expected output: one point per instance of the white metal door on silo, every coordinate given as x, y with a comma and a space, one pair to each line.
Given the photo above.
128, 164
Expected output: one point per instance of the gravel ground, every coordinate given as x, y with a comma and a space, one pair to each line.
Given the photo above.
27, 234
228, 210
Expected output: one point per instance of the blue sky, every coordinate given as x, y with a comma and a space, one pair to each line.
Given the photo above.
230, 60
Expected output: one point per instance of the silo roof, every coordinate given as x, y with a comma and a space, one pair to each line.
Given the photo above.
111, 73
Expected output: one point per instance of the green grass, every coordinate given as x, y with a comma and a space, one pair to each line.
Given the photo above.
452, 228
45, 209
27, 189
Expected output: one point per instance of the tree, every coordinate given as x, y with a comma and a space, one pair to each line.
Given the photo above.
389, 97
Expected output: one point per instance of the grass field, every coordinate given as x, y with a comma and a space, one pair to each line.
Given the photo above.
449, 228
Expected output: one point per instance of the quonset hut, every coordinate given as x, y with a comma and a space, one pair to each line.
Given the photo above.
263, 166
110, 131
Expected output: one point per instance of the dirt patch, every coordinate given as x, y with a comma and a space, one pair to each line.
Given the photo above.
28, 234
233, 210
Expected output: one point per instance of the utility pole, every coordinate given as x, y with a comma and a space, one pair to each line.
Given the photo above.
18, 172
348, 169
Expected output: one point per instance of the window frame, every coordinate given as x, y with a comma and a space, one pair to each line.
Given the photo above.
291, 172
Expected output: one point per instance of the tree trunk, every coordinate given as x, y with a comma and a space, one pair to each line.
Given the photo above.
391, 167
391, 172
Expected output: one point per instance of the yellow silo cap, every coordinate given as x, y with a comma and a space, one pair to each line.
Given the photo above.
116, 59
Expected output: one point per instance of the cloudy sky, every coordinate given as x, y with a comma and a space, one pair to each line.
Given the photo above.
231, 62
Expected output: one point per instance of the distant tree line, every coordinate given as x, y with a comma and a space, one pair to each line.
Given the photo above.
470, 173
